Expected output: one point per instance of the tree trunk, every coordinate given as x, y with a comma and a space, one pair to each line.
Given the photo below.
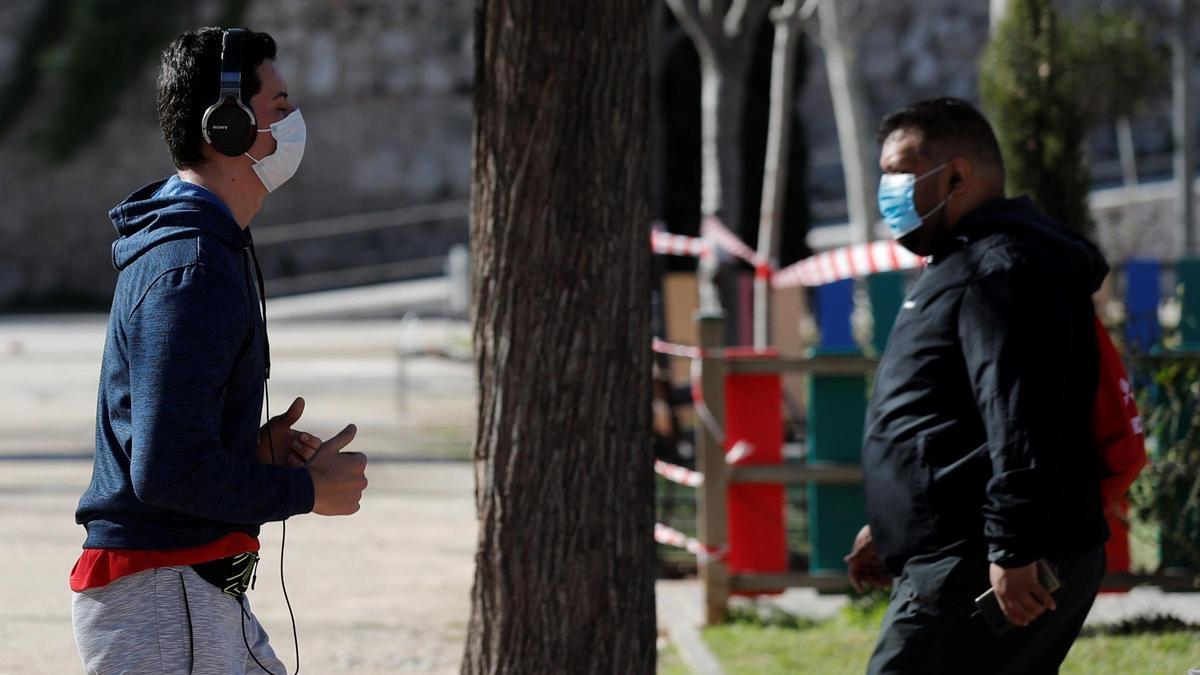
849, 108
564, 579
1125, 150
775, 175
723, 34
1181, 115
722, 99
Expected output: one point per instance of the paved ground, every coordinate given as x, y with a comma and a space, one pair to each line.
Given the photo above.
384, 591
347, 372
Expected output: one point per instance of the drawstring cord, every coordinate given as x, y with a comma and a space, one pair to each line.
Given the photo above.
191, 637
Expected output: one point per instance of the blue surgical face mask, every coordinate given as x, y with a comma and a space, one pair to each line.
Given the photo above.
896, 204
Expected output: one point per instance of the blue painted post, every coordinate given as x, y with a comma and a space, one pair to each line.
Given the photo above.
1142, 295
837, 408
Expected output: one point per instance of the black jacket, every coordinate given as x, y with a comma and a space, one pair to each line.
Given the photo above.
979, 433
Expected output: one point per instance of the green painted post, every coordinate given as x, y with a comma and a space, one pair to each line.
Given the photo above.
1187, 276
837, 408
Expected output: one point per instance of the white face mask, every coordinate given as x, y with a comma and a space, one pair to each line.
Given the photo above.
276, 168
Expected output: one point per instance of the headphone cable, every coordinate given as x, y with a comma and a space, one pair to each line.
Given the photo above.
262, 296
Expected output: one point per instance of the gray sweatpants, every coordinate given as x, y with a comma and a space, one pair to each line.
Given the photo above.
167, 620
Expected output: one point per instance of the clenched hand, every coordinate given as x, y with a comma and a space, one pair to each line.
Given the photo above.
1022, 597
863, 564
282, 443
339, 478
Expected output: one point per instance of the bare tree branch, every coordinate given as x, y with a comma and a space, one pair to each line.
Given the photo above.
734, 17
713, 10
812, 29
691, 19
783, 11
793, 13
849, 105
745, 15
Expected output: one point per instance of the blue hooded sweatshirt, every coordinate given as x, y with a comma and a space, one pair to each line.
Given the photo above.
181, 384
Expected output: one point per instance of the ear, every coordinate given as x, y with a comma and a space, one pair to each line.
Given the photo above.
960, 174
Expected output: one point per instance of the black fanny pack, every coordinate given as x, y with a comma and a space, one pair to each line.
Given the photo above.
232, 575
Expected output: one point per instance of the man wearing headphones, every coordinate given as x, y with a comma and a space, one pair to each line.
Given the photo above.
184, 476
979, 464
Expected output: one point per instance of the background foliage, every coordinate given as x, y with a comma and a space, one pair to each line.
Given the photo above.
82, 55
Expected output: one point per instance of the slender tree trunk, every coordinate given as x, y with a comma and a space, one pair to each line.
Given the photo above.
564, 579
1126, 151
723, 33
722, 101
1182, 112
849, 108
775, 169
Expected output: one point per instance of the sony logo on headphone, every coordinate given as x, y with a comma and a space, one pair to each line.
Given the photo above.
220, 127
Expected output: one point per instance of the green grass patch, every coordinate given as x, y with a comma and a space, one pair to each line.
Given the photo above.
827, 647
1170, 652
769, 642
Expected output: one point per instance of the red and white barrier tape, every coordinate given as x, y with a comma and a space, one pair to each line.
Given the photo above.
685, 476
678, 474
712, 228
848, 262
740, 451
672, 537
678, 244
695, 354
673, 349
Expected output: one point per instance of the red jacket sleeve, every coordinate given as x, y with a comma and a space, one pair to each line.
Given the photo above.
1117, 425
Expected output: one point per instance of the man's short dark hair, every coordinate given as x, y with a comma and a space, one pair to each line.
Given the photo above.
189, 82
947, 125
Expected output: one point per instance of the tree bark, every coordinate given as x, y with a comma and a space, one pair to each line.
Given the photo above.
564, 577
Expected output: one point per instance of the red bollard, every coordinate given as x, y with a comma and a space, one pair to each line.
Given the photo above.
754, 415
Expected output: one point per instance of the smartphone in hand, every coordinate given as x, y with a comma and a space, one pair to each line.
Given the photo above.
989, 606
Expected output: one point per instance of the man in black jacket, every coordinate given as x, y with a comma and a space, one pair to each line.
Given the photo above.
978, 456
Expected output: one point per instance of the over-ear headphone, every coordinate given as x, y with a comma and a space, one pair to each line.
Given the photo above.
228, 124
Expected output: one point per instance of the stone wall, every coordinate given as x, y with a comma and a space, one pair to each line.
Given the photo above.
385, 89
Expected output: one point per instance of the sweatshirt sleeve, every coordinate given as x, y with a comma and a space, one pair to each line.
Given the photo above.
1015, 335
182, 342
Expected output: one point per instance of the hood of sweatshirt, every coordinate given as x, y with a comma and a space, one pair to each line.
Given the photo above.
154, 215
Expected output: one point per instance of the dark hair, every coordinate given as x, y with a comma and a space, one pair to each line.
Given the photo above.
189, 82
947, 125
